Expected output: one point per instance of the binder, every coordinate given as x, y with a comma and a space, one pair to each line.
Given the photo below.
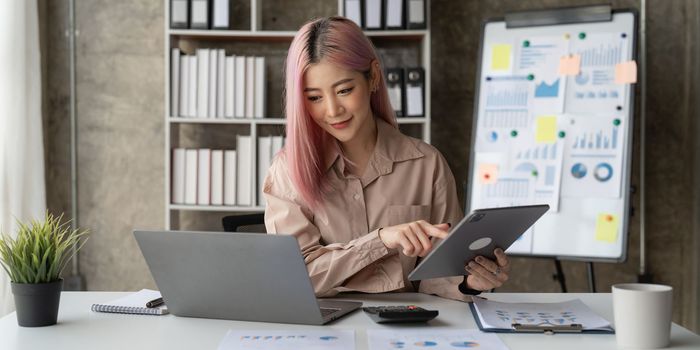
203, 83
239, 87
191, 176
221, 14
213, 73
395, 17
245, 183
415, 92
264, 162
204, 176
192, 84
221, 84
178, 176
374, 14
199, 14
260, 84
184, 86
354, 10
217, 177
179, 14
416, 14
397, 95
250, 87
230, 83
175, 83
230, 177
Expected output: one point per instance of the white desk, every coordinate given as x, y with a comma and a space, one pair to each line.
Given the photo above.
80, 328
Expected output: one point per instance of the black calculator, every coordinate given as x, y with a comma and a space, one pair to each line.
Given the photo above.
399, 314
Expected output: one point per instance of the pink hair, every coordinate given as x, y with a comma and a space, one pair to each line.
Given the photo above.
341, 42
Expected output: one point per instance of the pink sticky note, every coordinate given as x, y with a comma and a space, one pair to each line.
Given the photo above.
626, 72
570, 65
488, 174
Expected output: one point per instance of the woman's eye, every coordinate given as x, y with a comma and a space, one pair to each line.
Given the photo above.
313, 98
345, 91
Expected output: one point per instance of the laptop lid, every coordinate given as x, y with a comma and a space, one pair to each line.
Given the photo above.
239, 276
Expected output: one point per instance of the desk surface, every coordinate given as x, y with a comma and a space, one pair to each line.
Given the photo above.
80, 328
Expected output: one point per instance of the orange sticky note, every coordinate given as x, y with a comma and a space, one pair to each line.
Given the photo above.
626, 72
606, 228
570, 65
488, 173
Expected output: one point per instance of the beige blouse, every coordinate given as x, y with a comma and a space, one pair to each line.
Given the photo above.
405, 180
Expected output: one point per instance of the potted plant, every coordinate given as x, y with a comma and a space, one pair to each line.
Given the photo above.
34, 261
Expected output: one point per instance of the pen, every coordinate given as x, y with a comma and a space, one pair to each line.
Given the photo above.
155, 303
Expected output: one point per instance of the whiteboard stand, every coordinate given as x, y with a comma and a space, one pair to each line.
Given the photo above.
508, 108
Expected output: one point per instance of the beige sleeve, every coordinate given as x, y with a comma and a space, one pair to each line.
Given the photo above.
329, 265
446, 208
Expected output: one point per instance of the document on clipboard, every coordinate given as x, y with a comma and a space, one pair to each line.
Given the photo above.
571, 316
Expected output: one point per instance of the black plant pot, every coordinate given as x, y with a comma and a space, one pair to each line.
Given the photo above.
37, 303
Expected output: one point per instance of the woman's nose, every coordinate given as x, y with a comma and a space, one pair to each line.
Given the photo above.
333, 107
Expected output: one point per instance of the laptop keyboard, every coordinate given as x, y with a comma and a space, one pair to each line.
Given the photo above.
325, 311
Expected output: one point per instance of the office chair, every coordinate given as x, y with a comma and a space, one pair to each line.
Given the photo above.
244, 223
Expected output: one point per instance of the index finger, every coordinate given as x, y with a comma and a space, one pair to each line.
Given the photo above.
432, 230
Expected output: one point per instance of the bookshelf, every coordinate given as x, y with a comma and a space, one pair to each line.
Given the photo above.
395, 47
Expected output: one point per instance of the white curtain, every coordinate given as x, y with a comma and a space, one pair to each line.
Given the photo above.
22, 188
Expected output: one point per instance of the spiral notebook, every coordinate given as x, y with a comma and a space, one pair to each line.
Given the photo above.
133, 304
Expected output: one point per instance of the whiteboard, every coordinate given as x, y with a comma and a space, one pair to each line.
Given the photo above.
542, 136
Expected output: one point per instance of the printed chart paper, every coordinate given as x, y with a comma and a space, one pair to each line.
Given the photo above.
434, 339
288, 340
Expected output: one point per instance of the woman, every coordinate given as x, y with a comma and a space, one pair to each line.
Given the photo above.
363, 200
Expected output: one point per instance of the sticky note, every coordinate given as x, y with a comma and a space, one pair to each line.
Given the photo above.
488, 173
546, 131
500, 57
570, 65
626, 72
606, 228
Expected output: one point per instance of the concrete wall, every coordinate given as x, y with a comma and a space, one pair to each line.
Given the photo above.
120, 105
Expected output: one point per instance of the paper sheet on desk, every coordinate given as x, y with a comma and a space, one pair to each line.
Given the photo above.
494, 314
291, 339
434, 339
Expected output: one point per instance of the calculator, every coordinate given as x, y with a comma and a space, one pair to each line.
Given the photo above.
399, 314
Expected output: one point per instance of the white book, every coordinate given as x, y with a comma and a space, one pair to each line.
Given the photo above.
191, 176
277, 144
230, 164
192, 94
203, 83
175, 83
259, 110
249, 87
230, 83
184, 86
178, 176
217, 177
239, 88
245, 184
220, 81
213, 83
204, 177
264, 160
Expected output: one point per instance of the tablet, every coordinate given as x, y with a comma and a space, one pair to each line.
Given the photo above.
479, 233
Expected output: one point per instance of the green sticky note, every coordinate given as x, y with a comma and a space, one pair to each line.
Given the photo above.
500, 57
606, 228
546, 131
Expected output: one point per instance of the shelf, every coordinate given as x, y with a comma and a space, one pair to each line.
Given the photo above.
222, 208
289, 35
267, 121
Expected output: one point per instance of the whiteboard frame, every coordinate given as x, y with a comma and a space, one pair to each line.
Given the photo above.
627, 154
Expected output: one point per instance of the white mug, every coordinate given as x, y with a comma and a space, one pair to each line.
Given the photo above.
642, 315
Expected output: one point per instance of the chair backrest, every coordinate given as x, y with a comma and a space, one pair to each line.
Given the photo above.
244, 223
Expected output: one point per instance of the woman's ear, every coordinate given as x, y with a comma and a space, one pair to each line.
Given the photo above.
375, 75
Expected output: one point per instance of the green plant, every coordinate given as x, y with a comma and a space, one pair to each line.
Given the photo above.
41, 250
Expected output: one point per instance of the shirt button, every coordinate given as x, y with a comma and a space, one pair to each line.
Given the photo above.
356, 196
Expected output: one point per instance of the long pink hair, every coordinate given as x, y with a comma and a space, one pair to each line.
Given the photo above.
341, 42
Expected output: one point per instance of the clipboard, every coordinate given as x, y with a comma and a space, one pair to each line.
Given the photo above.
547, 329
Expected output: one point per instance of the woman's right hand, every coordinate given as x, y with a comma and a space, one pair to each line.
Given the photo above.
413, 237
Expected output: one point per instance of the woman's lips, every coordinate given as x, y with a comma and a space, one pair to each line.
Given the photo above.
341, 125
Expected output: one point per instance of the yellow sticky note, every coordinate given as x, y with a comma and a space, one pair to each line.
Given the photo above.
546, 131
626, 72
570, 65
487, 173
500, 57
606, 228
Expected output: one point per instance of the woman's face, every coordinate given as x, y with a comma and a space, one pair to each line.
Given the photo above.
338, 100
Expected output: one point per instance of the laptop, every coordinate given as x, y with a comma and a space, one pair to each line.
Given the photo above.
236, 276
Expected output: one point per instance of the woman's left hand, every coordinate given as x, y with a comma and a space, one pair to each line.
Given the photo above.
485, 274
